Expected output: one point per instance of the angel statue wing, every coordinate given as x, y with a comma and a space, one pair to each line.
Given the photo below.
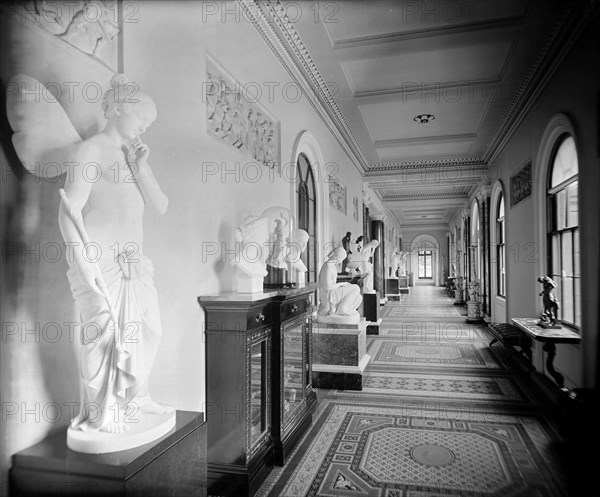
43, 135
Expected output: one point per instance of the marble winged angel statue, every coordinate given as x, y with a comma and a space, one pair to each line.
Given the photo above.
108, 183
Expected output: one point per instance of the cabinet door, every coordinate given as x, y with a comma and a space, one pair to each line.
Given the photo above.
293, 353
259, 403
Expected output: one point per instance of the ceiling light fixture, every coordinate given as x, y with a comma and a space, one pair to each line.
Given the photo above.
424, 118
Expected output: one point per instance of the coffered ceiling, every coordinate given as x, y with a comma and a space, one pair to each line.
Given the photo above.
423, 93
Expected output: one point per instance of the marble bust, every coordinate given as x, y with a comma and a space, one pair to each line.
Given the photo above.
338, 302
295, 248
115, 294
251, 239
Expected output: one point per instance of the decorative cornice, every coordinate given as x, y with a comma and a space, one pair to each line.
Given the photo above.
280, 35
447, 193
396, 167
563, 37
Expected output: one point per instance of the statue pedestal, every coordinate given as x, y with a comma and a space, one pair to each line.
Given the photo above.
403, 285
474, 312
142, 429
174, 464
339, 355
391, 286
371, 312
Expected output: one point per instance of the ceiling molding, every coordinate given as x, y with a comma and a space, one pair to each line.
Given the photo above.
270, 20
273, 26
385, 168
564, 36
399, 36
279, 33
437, 194
424, 139
427, 88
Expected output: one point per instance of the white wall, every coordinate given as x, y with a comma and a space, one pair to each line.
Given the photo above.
165, 53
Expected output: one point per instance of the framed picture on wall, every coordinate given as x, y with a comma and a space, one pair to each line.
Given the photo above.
520, 185
355, 208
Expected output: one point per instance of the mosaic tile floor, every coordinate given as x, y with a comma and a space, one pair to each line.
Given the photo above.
374, 451
436, 417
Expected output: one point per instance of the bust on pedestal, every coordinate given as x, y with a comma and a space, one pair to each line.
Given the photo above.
251, 241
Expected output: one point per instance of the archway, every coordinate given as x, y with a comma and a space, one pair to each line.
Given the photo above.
424, 260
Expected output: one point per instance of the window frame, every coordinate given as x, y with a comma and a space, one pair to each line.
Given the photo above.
304, 212
500, 247
559, 231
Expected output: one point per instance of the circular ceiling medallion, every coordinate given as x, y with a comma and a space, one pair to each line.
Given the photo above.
432, 455
424, 118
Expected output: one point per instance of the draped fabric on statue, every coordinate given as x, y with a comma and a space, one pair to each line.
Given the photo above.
111, 379
342, 300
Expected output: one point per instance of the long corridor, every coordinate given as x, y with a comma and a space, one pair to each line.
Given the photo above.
440, 413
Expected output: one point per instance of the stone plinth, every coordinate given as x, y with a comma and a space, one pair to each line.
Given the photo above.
174, 464
371, 306
339, 355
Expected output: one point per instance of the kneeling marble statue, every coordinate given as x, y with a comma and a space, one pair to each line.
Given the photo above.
338, 302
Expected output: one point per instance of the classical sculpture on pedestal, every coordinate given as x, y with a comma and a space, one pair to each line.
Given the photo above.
116, 295
395, 263
114, 286
550, 304
402, 263
367, 266
338, 302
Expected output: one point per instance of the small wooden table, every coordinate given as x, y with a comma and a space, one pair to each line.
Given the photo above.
549, 337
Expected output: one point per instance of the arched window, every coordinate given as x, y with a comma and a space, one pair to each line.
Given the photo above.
307, 213
563, 228
500, 250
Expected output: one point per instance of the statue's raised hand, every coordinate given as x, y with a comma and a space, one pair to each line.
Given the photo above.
138, 152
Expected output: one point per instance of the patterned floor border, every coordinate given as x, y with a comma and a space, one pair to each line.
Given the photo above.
389, 352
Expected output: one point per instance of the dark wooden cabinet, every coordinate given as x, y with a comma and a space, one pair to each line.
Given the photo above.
259, 396
293, 397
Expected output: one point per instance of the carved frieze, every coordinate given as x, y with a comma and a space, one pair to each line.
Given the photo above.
236, 118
